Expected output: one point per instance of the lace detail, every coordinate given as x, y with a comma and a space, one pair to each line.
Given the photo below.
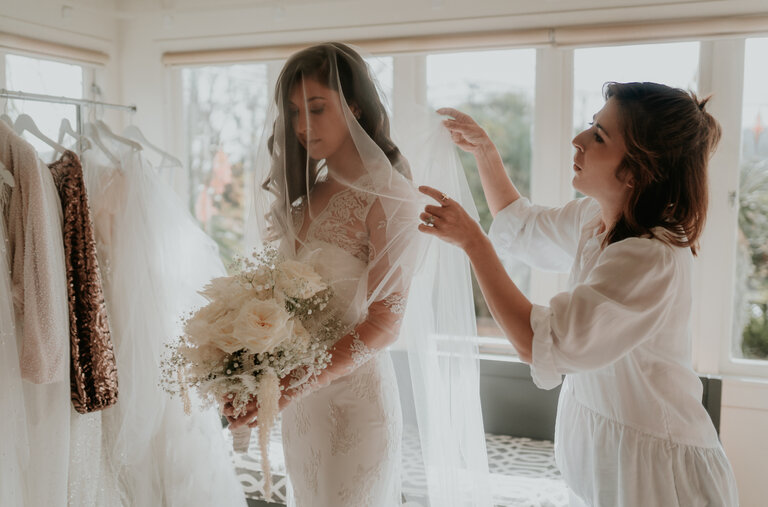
360, 494
343, 437
395, 303
366, 385
342, 222
302, 420
361, 353
311, 467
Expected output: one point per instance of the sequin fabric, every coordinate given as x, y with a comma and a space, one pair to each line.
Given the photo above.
93, 369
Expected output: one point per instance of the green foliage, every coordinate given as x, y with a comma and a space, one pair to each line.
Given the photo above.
753, 225
755, 337
508, 120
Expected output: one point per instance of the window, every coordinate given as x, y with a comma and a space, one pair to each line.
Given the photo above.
750, 316
224, 111
497, 89
674, 64
34, 75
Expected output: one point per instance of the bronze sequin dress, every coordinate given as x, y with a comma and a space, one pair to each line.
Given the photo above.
93, 369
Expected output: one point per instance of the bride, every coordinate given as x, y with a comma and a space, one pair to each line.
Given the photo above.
340, 196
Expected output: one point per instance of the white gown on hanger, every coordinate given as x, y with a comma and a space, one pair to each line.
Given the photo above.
13, 444
154, 258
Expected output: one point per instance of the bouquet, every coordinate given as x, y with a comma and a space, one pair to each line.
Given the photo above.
268, 321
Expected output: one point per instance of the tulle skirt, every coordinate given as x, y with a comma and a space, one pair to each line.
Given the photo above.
154, 258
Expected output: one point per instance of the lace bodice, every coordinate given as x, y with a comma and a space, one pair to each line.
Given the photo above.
342, 222
371, 288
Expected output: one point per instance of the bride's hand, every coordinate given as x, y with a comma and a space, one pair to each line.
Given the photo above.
465, 132
250, 417
449, 221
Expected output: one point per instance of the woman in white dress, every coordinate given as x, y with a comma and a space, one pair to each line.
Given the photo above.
343, 200
631, 429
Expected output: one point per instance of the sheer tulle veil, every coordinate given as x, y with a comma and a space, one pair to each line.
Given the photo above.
441, 392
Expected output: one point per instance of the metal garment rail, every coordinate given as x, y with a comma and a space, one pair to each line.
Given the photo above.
78, 103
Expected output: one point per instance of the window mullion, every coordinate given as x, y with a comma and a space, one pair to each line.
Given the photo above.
721, 74
552, 131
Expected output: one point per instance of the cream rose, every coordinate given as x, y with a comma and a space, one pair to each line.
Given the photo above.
262, 325
298, 280
223, 334
198, 327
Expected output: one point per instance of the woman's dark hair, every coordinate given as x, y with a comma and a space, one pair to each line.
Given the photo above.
669, 139
350, 72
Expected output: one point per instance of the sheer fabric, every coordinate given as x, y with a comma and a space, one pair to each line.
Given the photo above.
630, 420
153, 258
14, 453
331, 188
33, 220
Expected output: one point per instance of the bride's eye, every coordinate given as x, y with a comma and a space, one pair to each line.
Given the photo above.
317, 110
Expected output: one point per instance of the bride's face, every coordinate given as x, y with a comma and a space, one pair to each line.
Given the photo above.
317, 117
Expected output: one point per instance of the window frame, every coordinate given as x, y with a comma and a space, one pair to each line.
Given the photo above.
721, 66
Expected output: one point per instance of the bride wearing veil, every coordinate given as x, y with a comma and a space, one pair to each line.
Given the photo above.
332, 188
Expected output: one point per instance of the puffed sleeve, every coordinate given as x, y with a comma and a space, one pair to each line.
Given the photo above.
626, 299
542, 237
393, 243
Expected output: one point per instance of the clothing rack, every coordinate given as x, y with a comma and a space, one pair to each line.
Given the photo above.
78, 103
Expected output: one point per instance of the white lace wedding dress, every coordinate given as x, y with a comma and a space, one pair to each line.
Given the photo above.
342, 442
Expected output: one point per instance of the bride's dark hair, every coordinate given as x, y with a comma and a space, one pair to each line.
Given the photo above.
357, 87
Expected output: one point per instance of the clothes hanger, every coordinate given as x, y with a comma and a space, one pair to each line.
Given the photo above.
25, 123
4, 117
93, 135
133, 132
107, 132
66, 129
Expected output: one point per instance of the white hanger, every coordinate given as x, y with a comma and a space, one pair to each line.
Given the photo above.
25, 123
7, 119
106, 131
6, 176
133, 132
66, 129
93, 135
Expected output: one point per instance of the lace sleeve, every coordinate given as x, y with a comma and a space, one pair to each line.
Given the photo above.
391, 242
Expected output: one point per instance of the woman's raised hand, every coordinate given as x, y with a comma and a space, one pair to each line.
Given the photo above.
449, 221
465, 132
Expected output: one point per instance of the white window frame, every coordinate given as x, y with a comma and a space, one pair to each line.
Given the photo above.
721, 65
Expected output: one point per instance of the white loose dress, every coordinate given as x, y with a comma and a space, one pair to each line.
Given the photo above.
631, 429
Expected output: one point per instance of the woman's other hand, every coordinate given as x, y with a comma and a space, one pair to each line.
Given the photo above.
449, 221
465, 132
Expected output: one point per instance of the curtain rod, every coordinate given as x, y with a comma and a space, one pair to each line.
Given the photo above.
62, 100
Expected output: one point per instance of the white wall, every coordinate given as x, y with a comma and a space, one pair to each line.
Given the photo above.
744, 434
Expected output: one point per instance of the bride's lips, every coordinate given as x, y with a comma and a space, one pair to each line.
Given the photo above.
576, 167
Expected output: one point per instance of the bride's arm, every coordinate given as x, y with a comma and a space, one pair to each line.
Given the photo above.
392, 244
498, 188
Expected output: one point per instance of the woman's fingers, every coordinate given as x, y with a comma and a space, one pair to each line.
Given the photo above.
449, 111
434, 194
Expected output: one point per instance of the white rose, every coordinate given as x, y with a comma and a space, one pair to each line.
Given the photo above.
298, 280
262, 325
198, 327
223, 334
